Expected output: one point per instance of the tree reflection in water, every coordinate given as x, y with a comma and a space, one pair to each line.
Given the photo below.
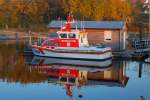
13, 67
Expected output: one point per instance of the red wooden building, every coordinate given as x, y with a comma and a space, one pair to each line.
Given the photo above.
110, 33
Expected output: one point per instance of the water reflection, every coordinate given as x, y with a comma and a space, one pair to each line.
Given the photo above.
80, 73
125, 78
13, 67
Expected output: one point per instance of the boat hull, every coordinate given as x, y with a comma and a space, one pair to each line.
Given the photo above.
72, 55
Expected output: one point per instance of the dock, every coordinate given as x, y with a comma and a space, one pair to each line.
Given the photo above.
130, 55
140, 50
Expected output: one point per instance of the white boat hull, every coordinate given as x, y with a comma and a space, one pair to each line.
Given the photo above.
71, 55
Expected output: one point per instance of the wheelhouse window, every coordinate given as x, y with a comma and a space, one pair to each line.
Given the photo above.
63, 79
72, 35
72, 80
63, 35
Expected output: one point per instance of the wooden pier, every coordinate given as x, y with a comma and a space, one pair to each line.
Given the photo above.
140, 51
141, 45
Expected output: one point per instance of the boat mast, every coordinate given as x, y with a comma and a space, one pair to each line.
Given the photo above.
83, 25
61, 26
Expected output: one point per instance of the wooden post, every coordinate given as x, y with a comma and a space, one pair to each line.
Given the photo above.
16, 36
124, 40
17, 43
140, 70
120, 40
140, 31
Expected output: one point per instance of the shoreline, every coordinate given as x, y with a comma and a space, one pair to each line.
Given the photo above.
11, 34
15, 34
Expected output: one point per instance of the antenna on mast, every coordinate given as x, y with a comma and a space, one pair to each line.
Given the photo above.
76, 25
61, 25
83, 25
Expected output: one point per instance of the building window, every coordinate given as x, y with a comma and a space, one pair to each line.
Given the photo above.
107, 36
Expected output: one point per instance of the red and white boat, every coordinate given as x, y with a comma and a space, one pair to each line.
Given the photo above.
71, 44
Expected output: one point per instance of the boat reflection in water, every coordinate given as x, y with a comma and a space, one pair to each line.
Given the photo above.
79, 73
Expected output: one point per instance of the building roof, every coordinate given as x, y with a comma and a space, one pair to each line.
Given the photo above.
90, 24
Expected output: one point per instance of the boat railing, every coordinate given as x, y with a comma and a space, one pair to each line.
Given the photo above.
36, 38
141, 45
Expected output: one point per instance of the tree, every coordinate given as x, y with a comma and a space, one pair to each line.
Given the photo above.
141, 19
98, 9
25, 13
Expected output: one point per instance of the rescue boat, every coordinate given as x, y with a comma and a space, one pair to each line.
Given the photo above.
71, 44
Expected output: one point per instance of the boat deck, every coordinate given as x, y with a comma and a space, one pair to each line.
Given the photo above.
84, 49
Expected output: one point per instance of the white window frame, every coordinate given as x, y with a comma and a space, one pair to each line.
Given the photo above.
107, 36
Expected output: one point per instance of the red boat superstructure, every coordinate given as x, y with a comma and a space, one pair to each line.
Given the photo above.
71, 43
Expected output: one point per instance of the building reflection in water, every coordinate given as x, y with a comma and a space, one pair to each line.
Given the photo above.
79, 73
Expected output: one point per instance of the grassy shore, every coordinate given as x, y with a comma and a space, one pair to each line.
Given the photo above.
13, 32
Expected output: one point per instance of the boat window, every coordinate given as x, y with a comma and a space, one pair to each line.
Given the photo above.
63, 35
51, 43
63, 79
54, 71
72, 35
72, 80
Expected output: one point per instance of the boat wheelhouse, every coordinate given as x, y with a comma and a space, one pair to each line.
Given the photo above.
71, 43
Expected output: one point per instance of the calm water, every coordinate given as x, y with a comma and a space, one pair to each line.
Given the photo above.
36, 78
